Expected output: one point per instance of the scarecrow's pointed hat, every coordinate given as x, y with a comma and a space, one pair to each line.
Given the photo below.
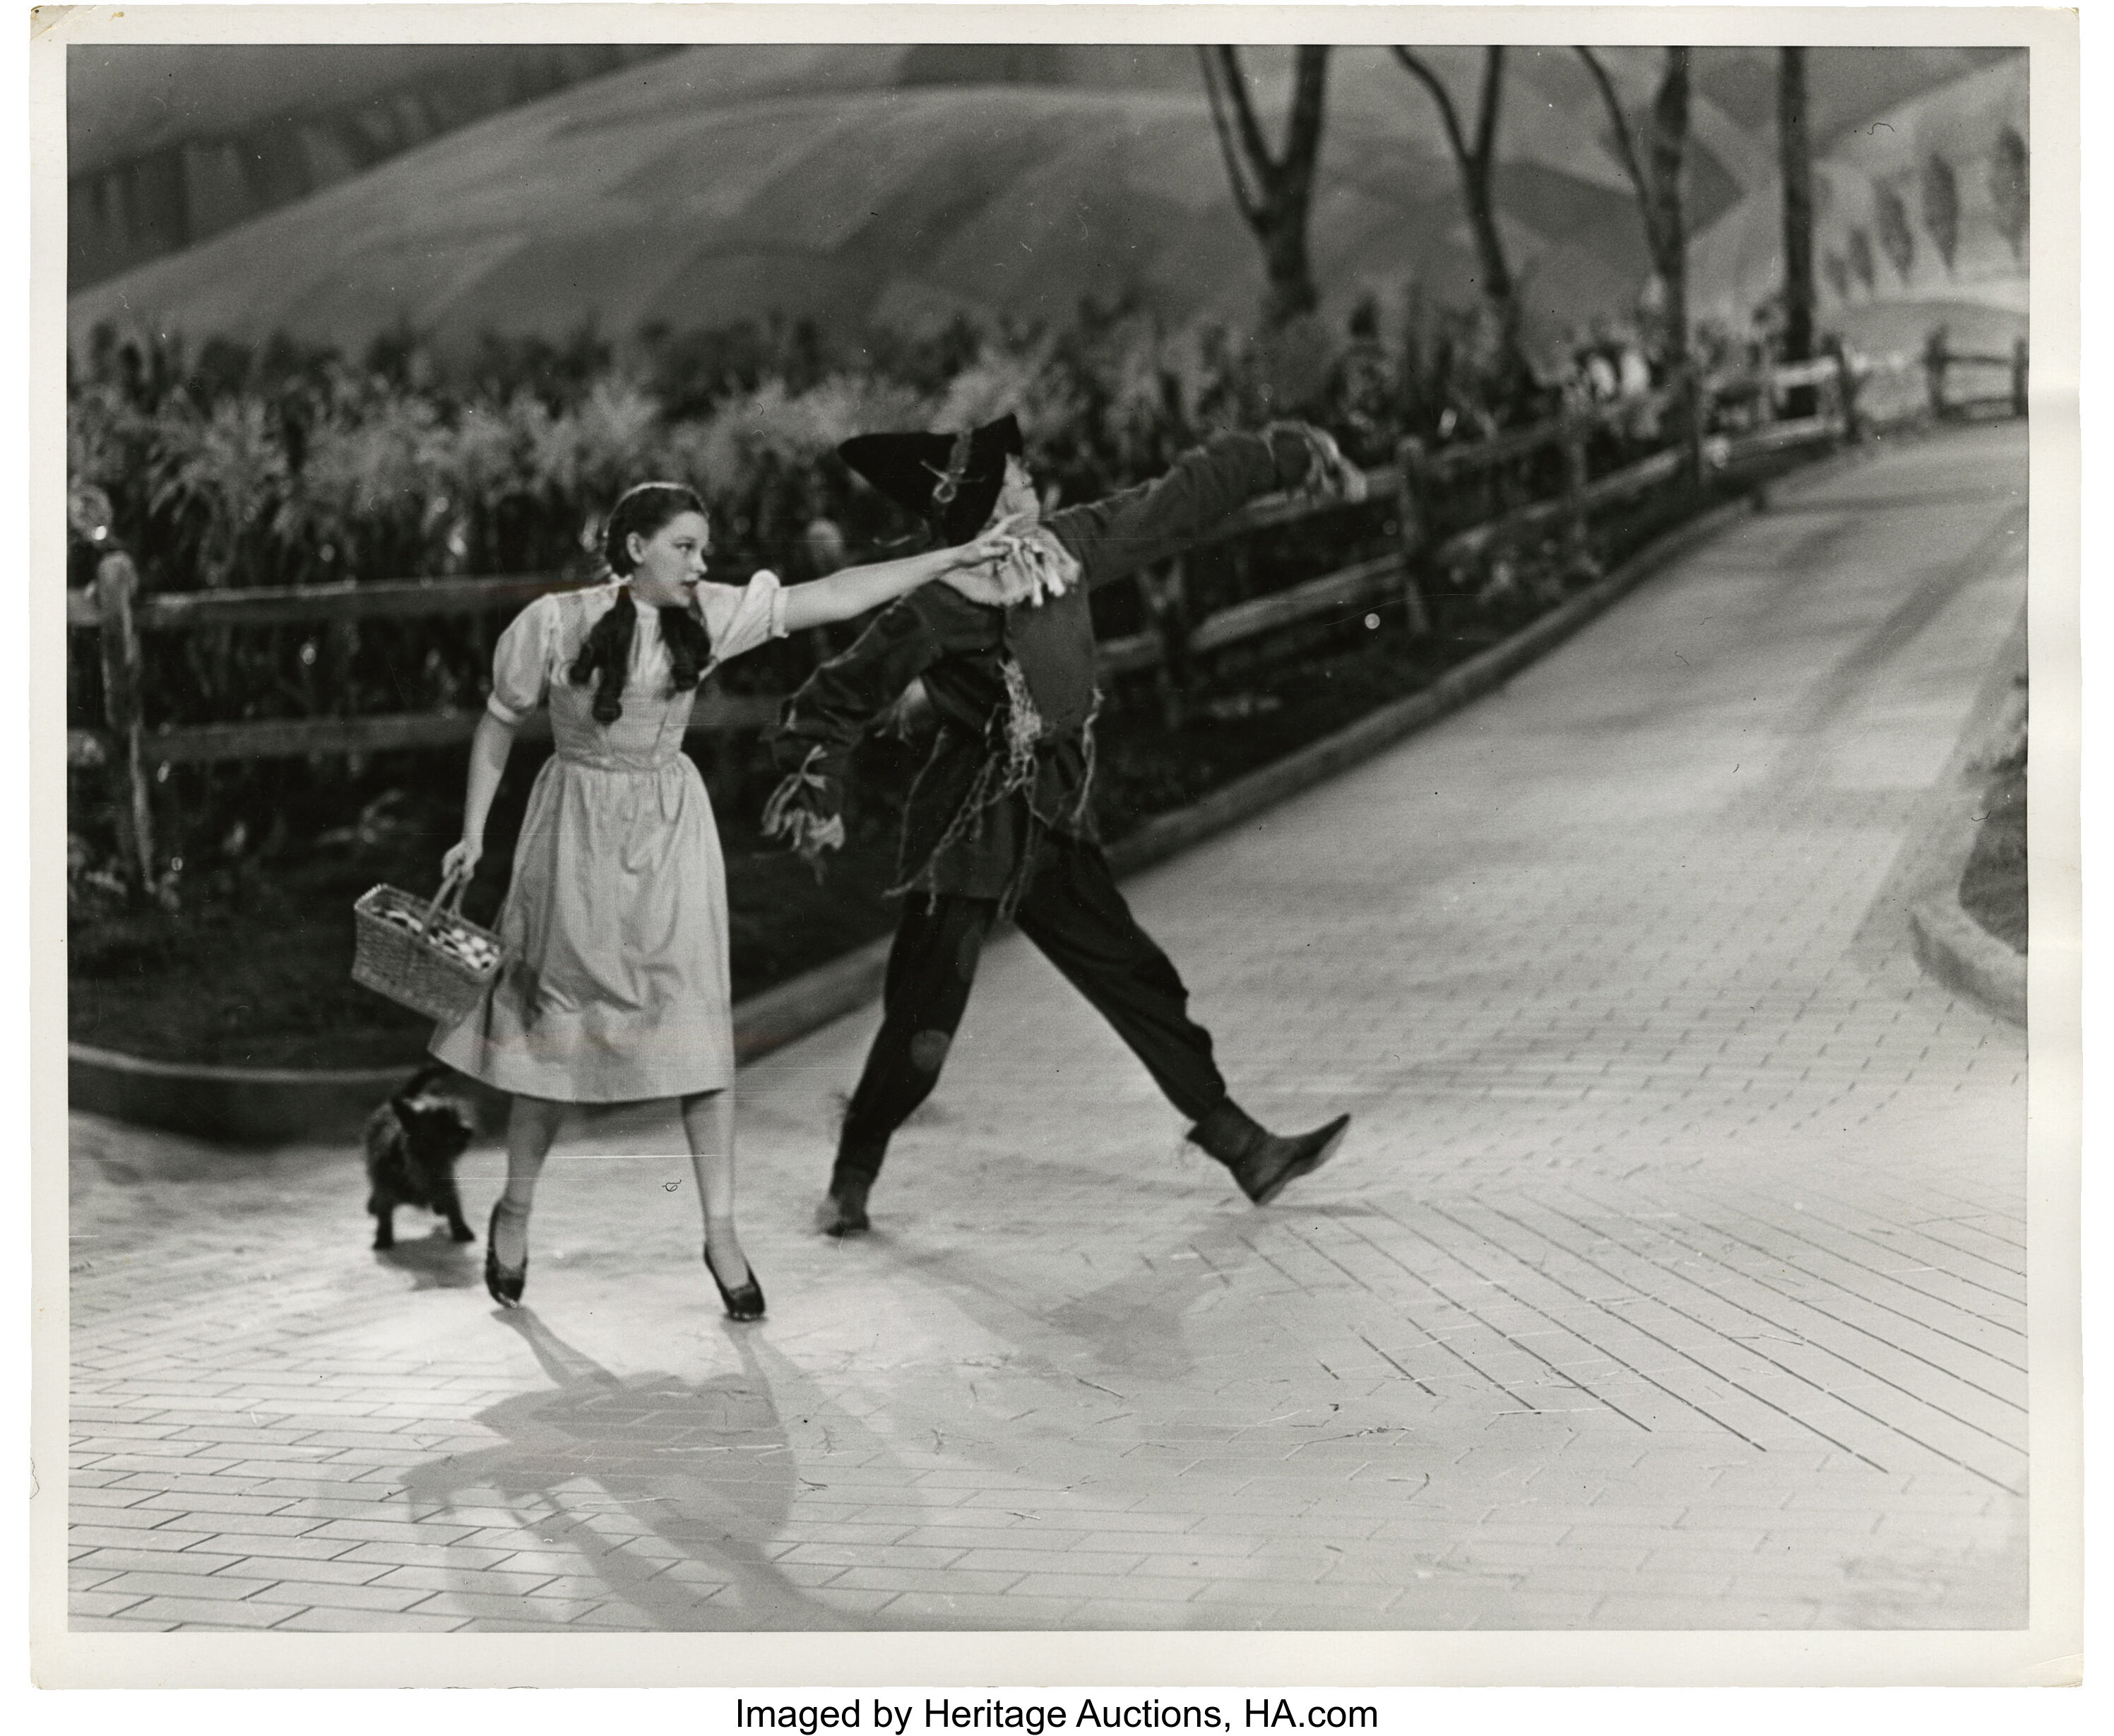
952, 480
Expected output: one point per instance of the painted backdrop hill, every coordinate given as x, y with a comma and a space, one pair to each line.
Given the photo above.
902, 185
1919, 219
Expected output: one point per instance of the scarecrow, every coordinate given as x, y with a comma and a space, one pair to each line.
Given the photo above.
999, 824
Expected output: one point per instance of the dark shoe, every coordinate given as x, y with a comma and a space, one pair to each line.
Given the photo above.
743, 1304
505, 1283
1262, 1162
843, 1209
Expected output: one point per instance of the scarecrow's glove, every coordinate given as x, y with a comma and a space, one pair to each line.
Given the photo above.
988, 568
1035, 568
791, 815
1329, 475
908, 717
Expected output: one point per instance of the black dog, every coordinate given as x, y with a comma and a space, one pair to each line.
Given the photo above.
412, 1141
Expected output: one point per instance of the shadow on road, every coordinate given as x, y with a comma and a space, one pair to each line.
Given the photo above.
1136, 1325
435, 1261
703, 1468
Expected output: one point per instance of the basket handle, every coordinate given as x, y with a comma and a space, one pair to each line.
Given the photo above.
450, 895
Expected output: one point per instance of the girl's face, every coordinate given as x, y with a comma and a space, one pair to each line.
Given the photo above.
673, 557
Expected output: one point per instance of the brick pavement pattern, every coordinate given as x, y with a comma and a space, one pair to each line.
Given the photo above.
1674, 1275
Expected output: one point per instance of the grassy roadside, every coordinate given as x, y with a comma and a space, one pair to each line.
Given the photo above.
1992, 889
254, 969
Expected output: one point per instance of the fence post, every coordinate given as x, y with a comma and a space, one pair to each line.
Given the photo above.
1578, 549
343, 638
116, 585
1691, 407
1411, 529
1935, 359
1167, 604
2019, 379
1846, 392
1799, 401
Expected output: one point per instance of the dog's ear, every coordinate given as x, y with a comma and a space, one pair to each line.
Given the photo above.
413, 1089
432, 1071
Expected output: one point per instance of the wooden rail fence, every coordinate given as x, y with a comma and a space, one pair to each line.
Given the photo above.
1167, 647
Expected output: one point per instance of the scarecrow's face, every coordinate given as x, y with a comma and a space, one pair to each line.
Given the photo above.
1016, 498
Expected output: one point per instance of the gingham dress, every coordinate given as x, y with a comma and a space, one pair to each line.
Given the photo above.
616, 984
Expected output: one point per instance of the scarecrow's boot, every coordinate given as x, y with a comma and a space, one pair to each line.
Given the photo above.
1262, 1162
843, 1209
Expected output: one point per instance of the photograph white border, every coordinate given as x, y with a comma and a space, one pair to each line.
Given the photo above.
2048, 1651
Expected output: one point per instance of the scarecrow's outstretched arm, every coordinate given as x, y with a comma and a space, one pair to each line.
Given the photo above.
1114, 537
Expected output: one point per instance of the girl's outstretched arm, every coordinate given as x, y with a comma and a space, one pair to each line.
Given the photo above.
856, 590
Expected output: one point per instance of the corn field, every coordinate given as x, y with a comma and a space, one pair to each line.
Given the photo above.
230, 467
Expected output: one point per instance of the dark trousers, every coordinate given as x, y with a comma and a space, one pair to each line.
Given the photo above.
1075, 913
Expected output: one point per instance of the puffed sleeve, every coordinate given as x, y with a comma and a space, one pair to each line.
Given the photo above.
742, 617
521, 662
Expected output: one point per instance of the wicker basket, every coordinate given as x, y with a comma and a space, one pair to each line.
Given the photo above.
412, 965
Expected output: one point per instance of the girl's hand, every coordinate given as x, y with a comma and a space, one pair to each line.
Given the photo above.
992, 544
460, 862
989, 569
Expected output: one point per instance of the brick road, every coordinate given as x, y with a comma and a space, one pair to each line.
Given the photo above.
1673, 1276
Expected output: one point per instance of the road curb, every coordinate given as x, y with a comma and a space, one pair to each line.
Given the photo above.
264, 1106
1954, 948
267, 1106
1949, 945
250, 1105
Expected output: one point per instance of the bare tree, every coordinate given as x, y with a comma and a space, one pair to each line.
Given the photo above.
1896, 240
2008, 188
1272, 191
1795, 161
1941, 207
1861, 260
1655, 173
1477, 163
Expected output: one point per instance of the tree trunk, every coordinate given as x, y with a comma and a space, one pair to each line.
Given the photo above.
1667, 221
1795, 160
1498, 285
1272, 191
1670, 215
1290, 291
1482, 202
1655, 176
1477, 162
